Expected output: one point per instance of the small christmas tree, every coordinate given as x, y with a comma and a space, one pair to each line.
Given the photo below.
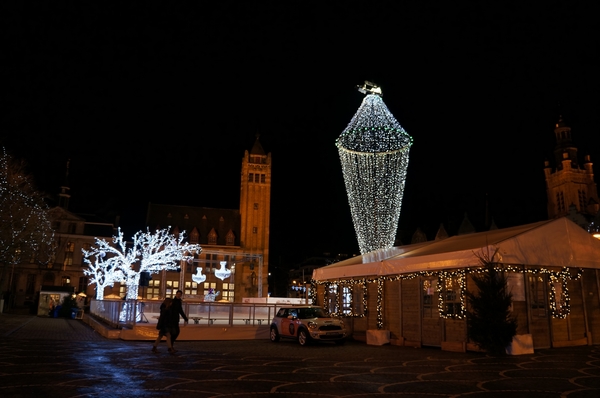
491, 324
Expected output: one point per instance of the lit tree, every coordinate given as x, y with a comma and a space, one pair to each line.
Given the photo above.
158, 251
117, 261
373, 151
106, 262
25, 229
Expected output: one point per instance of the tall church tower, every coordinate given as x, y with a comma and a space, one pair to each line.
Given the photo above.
255, 204
569, 186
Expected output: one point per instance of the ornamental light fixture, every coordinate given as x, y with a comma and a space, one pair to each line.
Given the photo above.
223, 272
198, 277
373, 152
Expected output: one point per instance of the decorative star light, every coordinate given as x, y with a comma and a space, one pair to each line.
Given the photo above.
223, 272
199, 278
373, 151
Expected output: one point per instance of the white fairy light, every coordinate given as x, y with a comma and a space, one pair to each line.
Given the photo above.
154, 252
373, 151
223, 272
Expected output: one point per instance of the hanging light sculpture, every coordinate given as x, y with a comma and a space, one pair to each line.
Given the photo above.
199, 278
223, 272
373, 151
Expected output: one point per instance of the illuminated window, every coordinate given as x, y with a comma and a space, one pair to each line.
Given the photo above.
171, 288
352, 300
66, 281
331, 299
451, 296
227, 293
190, 288
428, 290
209, 285
152, 290
69, 250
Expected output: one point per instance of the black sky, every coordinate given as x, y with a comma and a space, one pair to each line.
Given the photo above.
156, 102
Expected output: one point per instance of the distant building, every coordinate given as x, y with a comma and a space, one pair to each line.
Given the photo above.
571, 189
238, 238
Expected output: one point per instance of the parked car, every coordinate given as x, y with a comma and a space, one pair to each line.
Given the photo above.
307, 323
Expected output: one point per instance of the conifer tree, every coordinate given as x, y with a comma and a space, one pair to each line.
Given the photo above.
491, 324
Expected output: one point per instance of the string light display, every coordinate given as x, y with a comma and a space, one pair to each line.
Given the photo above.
373, 151
559, 302
155, 252
26, 230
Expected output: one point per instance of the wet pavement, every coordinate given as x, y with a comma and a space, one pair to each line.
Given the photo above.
55, 357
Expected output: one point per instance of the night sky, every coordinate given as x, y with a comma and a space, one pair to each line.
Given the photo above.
156, 102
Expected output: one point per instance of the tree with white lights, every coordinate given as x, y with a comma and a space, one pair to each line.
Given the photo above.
158, 251
373, 151
148, 252
25, 228
107, 262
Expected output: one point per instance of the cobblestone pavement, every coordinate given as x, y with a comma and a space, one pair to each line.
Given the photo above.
45, 357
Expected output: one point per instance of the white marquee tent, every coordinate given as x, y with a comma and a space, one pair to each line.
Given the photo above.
554, 243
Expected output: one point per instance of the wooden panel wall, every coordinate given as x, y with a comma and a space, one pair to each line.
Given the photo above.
392, 314
592, 302
411, 310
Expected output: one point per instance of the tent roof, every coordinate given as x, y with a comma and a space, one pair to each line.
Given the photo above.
554, 243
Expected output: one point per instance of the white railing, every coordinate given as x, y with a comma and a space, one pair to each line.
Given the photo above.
119, 313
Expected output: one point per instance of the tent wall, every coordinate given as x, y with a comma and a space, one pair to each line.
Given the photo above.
414, 320
591, 294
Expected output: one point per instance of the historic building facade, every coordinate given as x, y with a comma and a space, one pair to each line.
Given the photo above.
235, 242
570, 186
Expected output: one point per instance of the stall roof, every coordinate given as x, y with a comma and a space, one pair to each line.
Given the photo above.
554, 243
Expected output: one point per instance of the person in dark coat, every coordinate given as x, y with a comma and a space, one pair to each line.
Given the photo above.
177, 310
165, 325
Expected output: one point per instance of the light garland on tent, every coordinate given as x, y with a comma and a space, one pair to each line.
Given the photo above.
373, 151
558, 311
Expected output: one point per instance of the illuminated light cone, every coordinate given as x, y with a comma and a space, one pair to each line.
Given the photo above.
373, 152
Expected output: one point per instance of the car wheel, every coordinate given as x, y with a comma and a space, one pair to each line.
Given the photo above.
274, 335
303, 337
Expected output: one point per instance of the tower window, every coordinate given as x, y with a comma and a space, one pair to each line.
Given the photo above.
251, 177
255, 206
263, 178
254, 230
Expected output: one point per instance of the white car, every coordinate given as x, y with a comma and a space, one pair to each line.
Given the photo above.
307, 323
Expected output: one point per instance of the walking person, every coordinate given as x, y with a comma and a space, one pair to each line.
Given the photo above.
177, 310
165, 325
